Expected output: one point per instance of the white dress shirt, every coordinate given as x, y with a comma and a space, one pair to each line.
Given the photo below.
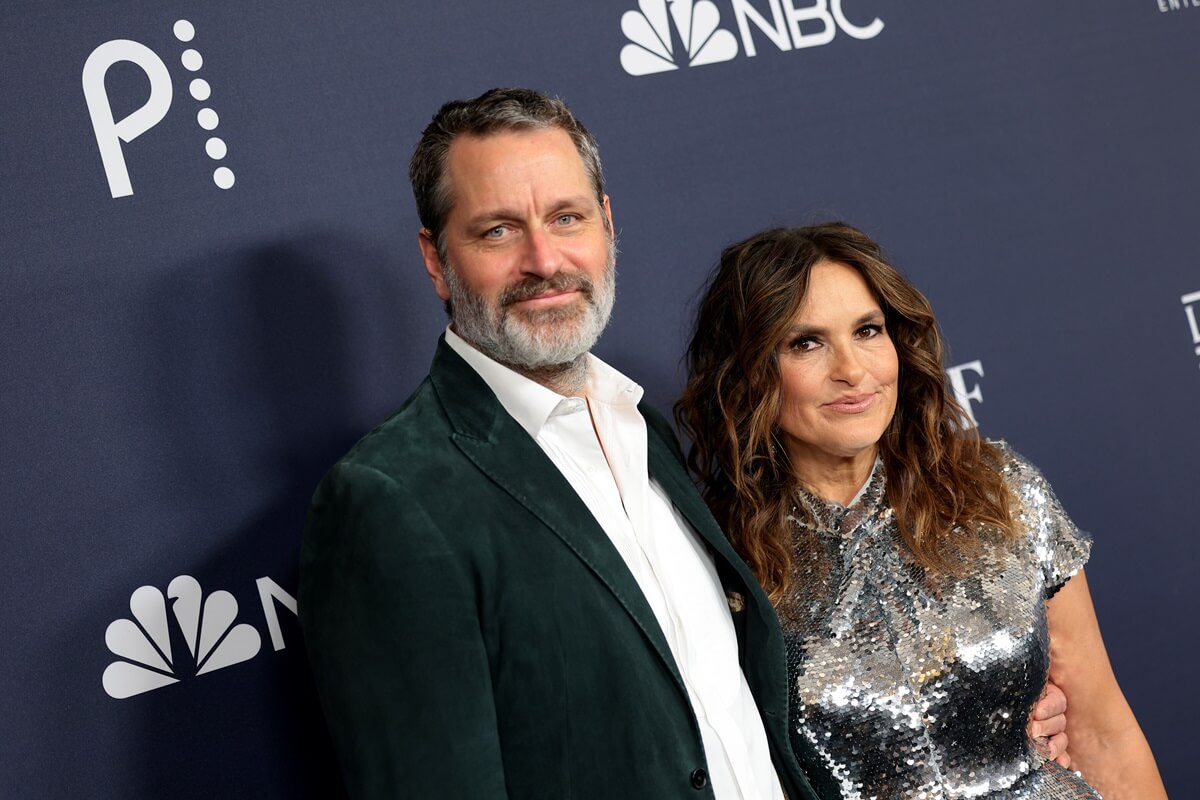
603, 455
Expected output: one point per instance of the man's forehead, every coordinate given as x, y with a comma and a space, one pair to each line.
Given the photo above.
501, 148
480, 166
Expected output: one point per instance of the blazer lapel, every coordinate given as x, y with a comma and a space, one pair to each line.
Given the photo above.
759, 636
669, 472
506, 454
761, 641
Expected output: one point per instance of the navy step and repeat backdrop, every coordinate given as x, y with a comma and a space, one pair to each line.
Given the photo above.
210, 287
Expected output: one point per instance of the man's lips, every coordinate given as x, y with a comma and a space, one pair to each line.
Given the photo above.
549, 297
851, 403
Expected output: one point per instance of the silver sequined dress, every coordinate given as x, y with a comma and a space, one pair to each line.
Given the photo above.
915, 685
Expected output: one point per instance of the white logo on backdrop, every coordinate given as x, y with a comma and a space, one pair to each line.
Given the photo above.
111, 133
1176, 5
652, 49
964, 394
206, 625
701, 41
1190, 301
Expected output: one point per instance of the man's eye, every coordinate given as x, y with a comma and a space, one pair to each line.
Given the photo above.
494, 233
566, 219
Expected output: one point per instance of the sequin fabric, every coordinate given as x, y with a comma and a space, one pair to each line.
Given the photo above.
915, 685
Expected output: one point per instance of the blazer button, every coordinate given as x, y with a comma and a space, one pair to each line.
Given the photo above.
699, 778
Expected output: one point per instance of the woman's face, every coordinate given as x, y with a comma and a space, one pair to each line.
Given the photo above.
839, 370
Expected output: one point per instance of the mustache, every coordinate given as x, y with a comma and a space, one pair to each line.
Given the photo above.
531, 287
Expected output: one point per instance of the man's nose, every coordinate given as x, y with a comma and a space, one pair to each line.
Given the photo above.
542, 255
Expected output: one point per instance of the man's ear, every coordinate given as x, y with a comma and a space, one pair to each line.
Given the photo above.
608, 214
433, 262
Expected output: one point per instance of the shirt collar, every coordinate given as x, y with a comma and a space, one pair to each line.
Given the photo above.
530, 403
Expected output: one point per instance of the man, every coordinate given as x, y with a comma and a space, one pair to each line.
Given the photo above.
511, 588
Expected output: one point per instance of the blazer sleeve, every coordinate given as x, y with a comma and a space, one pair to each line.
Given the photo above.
389, 614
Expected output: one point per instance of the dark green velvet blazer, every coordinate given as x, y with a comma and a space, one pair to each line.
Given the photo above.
474, 634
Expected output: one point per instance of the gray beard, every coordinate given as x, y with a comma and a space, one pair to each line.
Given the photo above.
533, 342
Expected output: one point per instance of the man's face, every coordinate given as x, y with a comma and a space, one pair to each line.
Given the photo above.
528, 260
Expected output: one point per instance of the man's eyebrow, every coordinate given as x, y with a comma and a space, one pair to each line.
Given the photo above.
491, 215
575, 201
501, 214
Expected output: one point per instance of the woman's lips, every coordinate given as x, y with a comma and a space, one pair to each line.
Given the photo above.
852, 403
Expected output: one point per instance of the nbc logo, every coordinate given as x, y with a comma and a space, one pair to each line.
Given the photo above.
698, 39
650, 33
213, 642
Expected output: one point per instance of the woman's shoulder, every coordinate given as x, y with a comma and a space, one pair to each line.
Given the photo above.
1017, 470
1059, 545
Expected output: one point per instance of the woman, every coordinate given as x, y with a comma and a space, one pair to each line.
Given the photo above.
927, 581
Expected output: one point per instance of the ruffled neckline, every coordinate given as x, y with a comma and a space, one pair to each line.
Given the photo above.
831, 517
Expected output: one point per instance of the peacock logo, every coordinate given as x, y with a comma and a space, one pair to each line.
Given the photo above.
205, 626
653, 49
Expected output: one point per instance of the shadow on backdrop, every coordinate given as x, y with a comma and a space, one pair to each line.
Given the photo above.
269, 376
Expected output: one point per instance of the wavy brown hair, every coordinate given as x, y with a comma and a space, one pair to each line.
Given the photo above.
942, 478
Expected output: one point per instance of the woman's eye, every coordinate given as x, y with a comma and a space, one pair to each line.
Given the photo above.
804, 344
870, 331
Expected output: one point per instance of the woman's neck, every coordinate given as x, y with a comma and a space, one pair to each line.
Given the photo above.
838, 479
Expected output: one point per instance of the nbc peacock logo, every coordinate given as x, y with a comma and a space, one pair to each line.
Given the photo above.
698, 38
205, 627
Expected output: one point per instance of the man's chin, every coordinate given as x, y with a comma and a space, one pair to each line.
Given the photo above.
534, 319
546, 325
547, 346
548, 354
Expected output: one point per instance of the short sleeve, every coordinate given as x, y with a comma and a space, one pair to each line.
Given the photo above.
1060, 547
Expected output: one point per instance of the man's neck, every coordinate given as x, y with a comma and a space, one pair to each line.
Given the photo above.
569, 380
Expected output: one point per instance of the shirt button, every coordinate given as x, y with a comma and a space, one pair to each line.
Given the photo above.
699, 778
